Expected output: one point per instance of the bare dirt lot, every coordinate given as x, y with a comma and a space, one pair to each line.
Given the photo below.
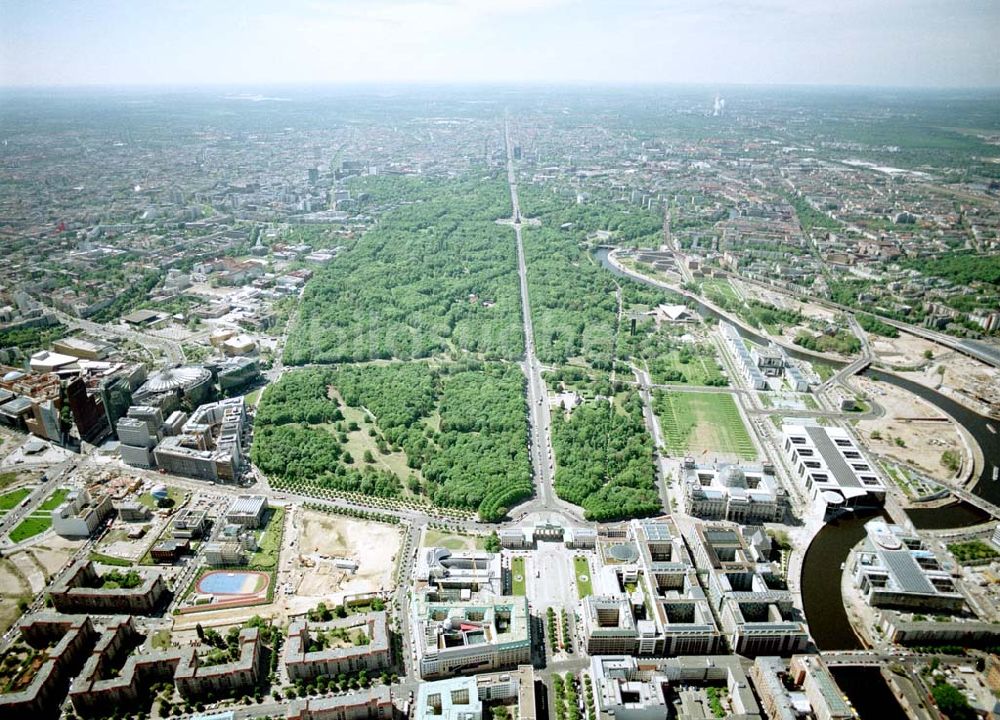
968, 381
925, 432
905, 351
322, 538
55, 552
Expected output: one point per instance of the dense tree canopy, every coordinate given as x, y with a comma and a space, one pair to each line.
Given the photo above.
462, 426
433, 275
605, 459
573, 304
301, 397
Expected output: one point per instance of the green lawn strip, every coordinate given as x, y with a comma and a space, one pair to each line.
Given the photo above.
110, 559
269, 544
54, 500
518, 580
29, 527
584, 584
8, 478
10, 500
40, 519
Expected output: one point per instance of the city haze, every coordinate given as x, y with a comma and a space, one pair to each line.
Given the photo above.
885, 43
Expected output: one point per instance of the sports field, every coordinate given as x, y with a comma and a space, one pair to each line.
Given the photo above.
698, 424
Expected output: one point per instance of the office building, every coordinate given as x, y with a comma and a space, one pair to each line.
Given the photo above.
88, 412
628, 688
189, 523
830, 467
800, 688
745, 363
895, 569
211, 445
80, 514
459, 638
247, 511
450, 572
462, 698
747, 591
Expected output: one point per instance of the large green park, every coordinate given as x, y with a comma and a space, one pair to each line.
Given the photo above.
412, 393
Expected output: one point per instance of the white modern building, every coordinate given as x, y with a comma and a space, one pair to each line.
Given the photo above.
80, 514
895, 569
451, 572
744, 362
829, 465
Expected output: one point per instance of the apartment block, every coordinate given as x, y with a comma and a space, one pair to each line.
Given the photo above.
194, 680
79, 591
64, 643
349, 658
374, 703
114, 677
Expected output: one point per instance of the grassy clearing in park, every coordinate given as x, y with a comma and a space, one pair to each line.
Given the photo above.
699, 370
703, 423
361, 441
517, 579
720, 287
581, 569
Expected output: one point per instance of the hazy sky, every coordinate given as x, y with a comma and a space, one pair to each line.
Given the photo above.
864, 42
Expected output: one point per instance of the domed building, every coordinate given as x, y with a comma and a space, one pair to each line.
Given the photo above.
187, 382
740, 493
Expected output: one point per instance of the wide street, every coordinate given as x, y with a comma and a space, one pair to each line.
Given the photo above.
540, 432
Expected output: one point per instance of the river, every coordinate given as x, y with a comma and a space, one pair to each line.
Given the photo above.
821, 575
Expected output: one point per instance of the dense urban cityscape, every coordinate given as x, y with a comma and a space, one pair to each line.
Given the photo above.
500, 403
